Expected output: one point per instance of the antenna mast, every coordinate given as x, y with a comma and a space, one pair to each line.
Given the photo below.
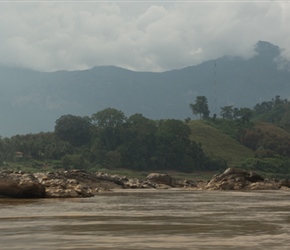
215, 89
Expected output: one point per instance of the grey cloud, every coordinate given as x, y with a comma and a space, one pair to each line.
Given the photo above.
140, 36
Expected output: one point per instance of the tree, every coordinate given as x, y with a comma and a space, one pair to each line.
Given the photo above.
277, 101
108, 117
74, 129
246, 114
108, 126
174, 149
236, 113
200, 107
138, 142
227, 112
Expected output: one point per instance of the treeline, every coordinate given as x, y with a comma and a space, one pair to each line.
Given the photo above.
109, 139
271, 147
201, 109
263, 142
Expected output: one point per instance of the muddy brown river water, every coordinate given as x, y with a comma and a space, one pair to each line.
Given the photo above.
154, 219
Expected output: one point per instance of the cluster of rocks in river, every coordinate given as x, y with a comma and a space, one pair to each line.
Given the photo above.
79, 183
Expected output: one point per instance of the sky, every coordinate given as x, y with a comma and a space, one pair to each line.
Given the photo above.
138, 35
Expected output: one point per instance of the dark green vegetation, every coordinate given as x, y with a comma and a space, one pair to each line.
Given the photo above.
254, 139
108, 139
264, 131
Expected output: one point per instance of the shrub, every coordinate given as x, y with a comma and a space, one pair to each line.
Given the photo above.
73, 161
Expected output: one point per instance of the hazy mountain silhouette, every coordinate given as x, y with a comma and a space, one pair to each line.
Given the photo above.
31, 101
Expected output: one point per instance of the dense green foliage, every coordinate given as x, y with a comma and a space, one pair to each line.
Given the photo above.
276, 111
73, 129
256, 139
110, 140
262, 129
275, 167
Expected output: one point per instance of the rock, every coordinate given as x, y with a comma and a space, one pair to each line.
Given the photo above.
284, 183
79, 183
189, 183
161, 179
233, 179
67, 184
138, 183
20, 185
263, 186
253, 177
118, 179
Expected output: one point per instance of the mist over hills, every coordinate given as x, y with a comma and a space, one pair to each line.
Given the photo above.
31, 101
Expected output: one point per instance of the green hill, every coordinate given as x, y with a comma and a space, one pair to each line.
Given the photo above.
262, 147
218, 145
279, 115
272, 129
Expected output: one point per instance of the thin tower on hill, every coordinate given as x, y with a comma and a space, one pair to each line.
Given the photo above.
215, 88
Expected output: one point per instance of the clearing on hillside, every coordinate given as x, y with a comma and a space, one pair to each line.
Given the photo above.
218, 145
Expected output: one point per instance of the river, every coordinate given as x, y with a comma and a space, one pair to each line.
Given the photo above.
153, 219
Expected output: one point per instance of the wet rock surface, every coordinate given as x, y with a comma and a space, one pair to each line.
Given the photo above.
20, 185
79, 183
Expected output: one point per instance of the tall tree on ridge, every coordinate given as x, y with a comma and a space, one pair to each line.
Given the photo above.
200, 107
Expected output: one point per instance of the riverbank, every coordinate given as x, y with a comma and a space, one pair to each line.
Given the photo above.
79, 183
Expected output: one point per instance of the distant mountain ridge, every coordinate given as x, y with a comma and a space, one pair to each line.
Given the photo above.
31, 101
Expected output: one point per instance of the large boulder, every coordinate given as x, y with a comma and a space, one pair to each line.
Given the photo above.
20, 185
235, 179
164, 179
284, 183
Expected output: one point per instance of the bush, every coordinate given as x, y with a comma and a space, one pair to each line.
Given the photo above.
270, 165
73, 161
216, 164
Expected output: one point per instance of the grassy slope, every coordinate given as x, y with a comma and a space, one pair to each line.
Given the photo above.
280, 115
272, 129
217, 144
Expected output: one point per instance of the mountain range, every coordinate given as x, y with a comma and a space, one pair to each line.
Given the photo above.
31, 101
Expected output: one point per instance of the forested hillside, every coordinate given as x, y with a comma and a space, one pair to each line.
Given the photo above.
265, 131
110, 140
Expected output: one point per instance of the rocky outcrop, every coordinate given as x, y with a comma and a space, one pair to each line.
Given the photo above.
79, 183
64, 185
164, 179
284, 183
193, 184
20, 185
236, 179
263, 185
139, 183
73, 183
117, 179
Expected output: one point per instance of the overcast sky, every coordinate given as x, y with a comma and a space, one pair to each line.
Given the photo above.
138, 35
